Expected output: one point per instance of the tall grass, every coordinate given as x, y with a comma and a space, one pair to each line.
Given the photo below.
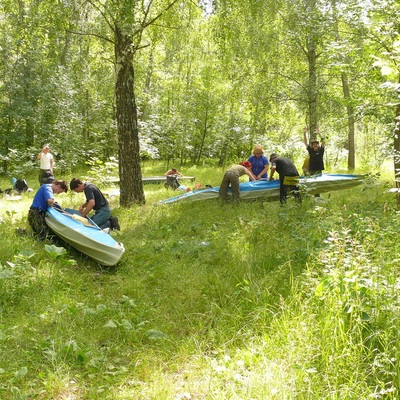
210, 301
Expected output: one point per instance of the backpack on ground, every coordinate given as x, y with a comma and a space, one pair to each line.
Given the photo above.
47, 177
172, 182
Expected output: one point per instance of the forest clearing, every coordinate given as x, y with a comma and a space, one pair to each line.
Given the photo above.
210, 301
213, 300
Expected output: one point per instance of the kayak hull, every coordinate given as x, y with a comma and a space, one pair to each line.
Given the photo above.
87, 237
269, 190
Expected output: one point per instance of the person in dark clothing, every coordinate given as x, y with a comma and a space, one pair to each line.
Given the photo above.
95, 201
316, 153
285, 168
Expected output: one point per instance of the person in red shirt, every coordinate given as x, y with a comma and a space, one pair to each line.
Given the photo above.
231, 178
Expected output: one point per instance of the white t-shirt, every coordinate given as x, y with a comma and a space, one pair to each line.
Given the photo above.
45, 161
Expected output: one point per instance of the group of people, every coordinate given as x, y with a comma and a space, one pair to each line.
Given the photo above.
44, 198
258, 166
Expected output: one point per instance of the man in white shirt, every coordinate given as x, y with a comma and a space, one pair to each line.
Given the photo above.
46, 165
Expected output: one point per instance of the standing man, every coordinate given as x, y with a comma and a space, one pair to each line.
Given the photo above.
44, 198
316, 152
285, 168
231, 177
95, 201
46, 165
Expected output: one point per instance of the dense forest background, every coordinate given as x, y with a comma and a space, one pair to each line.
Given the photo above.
196, 82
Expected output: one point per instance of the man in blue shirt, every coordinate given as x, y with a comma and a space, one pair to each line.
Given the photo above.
44, 198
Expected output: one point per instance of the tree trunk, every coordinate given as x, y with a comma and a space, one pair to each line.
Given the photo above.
312, 84
203, 138
396, 150
350, 122
130, 175
311, 52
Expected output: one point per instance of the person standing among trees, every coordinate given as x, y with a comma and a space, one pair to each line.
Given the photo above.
316, 152
285, 168
46, 165
231, 177
259, 163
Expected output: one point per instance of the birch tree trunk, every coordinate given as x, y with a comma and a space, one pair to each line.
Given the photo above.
350, 122
396, 150
130, 174
312, 70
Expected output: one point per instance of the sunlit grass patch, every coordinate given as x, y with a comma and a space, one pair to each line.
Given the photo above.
254, 301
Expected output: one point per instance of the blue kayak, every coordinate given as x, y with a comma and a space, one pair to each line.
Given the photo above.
269, 190
84, 235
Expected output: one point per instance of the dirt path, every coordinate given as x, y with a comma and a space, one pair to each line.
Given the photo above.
14, 204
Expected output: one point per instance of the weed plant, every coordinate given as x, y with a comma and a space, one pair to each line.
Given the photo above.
210, 301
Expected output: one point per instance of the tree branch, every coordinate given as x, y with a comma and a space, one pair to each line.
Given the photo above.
151, 21
109, 23
91, 34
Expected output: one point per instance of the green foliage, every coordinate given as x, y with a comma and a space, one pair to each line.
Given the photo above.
60, 254
220, 82
102, 171
14, 277
209, 297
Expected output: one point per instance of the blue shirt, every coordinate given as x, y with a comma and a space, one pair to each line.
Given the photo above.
44, 193
258, 164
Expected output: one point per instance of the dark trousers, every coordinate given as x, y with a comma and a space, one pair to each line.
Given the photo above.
311, 173
45, 176
284, 189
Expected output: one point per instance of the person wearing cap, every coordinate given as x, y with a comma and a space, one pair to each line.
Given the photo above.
285, 168
231, 177
44, 198
259, 163
46, 165
316, 153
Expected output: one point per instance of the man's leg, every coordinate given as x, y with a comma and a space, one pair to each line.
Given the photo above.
101, 218
282, 190
316, 173
235, 188
38, 223
223, 189
296, 193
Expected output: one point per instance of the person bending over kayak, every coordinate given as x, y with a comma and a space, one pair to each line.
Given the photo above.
44, 198
95, 201
231, 177
285, 168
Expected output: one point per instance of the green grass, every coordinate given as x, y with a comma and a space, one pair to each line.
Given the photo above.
254, 301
